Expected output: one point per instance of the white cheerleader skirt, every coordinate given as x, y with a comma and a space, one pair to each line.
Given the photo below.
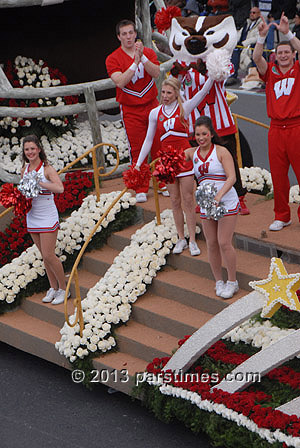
43, 215
230, 201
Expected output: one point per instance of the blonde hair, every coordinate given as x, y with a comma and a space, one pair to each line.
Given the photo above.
175, 83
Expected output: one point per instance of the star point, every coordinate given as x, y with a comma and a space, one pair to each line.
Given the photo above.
279, 288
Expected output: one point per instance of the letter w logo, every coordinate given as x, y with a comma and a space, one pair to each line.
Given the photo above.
283, 87
139, 73
203, 169
169, 124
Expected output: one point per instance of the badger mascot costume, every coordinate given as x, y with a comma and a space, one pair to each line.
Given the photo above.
202, 46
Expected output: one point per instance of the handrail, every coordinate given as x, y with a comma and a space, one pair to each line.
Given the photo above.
237, 136
74, 272
250, 120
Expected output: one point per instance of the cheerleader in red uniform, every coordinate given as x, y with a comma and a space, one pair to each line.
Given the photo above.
42, 219
170, 121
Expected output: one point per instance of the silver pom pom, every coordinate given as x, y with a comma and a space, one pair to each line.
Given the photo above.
205, 197
29, 185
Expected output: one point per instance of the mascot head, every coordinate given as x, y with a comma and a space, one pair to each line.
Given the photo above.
193, 38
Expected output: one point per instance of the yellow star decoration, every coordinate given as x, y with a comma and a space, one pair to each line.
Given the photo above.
279, 289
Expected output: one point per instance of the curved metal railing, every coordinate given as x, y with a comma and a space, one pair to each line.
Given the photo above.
237, 137
95, 168
74, 271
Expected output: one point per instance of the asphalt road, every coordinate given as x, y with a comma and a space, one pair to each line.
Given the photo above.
40, 407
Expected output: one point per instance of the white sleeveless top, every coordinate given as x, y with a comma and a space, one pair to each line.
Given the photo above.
43, 215
210, 170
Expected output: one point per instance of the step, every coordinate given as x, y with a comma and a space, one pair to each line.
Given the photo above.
249, 267
190, 290
53, 314
31, 335
118, 370
167, 315
144, 342
251, 234
86, 281
98, 261
119, 240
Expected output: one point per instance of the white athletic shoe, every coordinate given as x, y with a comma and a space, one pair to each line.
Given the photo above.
194, 249
49, 296
164, 192
59, 297
229, 289
220, 286
279, 225
141, 197
180, 246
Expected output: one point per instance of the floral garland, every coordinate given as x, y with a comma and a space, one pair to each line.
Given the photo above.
285, 374
15, 238
248, 409
66, 148
109, 301
17, 275
258, 334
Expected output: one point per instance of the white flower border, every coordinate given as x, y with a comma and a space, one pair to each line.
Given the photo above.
65, 149
109, 301
260, 335
223, 411
73, 231
255, 178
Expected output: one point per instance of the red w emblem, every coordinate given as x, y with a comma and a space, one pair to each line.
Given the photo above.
203, 169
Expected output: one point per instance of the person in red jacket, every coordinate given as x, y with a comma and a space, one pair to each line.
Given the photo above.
282, 80
218, 6
133, 67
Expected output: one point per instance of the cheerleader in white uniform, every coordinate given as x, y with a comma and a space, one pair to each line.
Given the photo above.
214, 164
42, 219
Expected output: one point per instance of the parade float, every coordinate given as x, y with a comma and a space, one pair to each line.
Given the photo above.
161, 298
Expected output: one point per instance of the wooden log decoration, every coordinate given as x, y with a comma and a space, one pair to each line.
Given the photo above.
146, 23
55, 111
51, 92
23, 3
92, 111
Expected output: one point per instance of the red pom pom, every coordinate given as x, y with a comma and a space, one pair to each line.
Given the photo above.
133, 178
23, 204
7, 196
10, 196
171, 163
163, 18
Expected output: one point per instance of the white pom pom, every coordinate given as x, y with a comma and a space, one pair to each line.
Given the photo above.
218, 65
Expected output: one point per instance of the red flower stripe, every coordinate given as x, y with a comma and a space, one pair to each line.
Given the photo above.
249, 403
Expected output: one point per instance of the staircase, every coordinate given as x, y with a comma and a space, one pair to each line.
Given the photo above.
179, 301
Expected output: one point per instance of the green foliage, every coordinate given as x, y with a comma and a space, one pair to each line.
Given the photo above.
283, 318
222, 432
